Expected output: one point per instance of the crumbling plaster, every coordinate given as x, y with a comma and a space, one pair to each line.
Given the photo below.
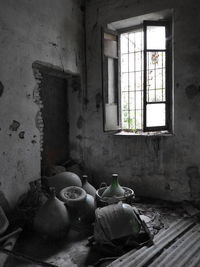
49, 31
152, 166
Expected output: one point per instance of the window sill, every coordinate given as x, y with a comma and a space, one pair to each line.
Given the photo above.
160, 133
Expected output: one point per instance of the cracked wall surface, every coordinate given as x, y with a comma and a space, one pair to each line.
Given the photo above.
50, 31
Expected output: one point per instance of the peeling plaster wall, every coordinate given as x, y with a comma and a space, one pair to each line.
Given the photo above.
161, 167
49, 31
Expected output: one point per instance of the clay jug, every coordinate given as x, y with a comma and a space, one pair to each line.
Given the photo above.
114, 190
89, 189
62, 180
80, 204
52, 219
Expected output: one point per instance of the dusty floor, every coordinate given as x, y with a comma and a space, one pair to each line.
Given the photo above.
73, 251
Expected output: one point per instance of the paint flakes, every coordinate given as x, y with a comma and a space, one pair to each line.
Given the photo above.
21, 135
14, 126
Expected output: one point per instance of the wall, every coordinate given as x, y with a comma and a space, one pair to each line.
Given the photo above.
160, 167
30, 30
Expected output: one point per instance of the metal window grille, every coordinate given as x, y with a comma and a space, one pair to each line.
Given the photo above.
145, 78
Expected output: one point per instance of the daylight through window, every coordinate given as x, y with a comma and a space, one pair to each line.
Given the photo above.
143, 73
137, 78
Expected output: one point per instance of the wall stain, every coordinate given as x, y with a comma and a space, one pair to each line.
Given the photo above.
14, 126
21, 168
1, 89
53, 44
192, 91
156, 145
194, 181
21, 135
79, 137
28, 95
86, 101
80, 122
98, 100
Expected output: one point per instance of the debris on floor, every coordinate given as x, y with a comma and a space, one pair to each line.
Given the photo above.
120, 231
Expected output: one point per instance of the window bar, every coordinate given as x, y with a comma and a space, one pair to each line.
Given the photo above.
134, 87
162, 77
145, 78
141, 83
155, 78
128, 87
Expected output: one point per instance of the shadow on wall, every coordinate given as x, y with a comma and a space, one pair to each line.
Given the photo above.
194, 181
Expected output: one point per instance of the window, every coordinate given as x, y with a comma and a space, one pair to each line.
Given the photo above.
137, 78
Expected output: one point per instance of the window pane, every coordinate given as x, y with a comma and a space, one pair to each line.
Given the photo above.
159, 96
111, 80
151, 79
139, 81
138, 119
124, 63
138, 40
155, 115
124, 82
131, 81
135, 41
139, 100
138, 61
132, 65
131, 62
151, 96
132, 100
132, 120
156, 76
124, 43
156, 37
124, 103
125, 120
132, 42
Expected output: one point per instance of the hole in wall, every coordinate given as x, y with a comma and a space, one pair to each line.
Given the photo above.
51, 94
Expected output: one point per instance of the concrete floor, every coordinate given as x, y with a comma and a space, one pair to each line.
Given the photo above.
70, 252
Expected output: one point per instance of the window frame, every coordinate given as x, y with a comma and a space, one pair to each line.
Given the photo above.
104, 67
168, 75
169, 68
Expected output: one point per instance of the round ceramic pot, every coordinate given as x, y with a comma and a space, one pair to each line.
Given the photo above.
62, 180
80, 204
52, 219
